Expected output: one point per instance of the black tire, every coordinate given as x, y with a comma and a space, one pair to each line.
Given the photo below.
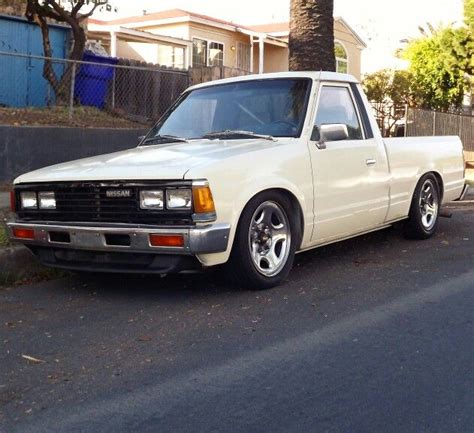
424, 209
251, 242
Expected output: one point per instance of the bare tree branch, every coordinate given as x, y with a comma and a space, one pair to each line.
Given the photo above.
65, 16
34, 8
96, 5
39, 12
76, 8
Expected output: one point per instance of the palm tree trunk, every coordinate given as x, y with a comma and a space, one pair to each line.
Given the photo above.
311, 40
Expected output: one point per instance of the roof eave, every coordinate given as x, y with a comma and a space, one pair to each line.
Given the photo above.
354, 33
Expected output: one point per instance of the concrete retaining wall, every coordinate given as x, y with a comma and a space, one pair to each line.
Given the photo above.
23, 149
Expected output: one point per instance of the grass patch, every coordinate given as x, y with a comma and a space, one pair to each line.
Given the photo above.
4, 241
83, 117
46, 274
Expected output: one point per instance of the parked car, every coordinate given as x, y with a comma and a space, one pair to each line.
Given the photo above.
242, 172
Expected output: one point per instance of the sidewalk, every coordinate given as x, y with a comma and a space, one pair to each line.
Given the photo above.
4, 200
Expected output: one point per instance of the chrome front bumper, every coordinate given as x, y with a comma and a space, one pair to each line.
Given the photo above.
206, 239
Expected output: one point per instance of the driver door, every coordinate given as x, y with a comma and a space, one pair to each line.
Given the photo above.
349, 176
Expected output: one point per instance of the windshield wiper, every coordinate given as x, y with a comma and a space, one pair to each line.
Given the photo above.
165, 138
230, 133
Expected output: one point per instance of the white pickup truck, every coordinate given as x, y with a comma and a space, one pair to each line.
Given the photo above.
244, 172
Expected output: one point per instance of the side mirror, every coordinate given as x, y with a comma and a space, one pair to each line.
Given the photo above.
329, 132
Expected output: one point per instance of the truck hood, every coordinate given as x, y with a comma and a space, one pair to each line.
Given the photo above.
165, 161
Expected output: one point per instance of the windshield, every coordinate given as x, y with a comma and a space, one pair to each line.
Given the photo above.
270, 107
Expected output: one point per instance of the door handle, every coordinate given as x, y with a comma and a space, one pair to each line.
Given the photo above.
370, 161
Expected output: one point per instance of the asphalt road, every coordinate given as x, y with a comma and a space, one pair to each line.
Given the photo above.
374, 334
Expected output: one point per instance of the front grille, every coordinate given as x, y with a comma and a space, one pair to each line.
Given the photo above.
88, 202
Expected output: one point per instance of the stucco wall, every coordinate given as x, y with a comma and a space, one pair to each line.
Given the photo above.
156, 53
143, 51
275, 58
179, 30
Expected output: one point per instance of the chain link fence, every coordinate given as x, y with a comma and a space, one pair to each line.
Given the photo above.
113, 92
421, 122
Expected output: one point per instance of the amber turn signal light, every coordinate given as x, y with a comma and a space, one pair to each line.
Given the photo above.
175, 241
24, 233
203, 201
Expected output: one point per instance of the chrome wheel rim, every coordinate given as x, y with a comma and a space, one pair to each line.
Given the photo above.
428, 204
269, 238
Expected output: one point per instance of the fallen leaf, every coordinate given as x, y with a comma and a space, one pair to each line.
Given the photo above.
144, 338
34, 360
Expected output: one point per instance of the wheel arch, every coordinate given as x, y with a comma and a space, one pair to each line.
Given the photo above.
439, 181
294, 202
414, 226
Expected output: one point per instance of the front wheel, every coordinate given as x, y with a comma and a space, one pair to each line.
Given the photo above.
265, 242
424, 210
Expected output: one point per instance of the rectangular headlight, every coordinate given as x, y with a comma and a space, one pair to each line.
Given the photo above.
151, 200
47, 200
177, 199
28, 200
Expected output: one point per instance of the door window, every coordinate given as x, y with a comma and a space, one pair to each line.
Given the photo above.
336, 106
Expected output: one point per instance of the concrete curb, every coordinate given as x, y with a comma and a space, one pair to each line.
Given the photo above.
18, 262
4, 200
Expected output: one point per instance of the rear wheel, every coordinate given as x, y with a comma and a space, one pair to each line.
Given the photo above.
424, 210
265, 242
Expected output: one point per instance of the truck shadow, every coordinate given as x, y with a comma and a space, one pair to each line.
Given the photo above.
371, 257
365, 250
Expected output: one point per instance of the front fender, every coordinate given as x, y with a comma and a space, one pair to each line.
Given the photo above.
232, 189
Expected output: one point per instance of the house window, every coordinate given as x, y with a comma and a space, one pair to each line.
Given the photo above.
178, 57
199, 53
171, 56
243, 56
207, 53
341, 58
216, 54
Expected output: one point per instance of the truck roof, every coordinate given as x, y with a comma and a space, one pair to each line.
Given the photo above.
320, 76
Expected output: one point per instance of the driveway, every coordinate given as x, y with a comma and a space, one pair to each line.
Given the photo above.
372, 334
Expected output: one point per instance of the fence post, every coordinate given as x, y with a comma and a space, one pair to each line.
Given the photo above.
113, 88
405, 132
71, 94
434, 123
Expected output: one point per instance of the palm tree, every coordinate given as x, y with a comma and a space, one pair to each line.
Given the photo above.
311, 40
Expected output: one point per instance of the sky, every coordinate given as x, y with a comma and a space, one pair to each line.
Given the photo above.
382, 24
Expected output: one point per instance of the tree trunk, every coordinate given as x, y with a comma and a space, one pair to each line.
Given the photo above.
311, 40
65, 82
38, 13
